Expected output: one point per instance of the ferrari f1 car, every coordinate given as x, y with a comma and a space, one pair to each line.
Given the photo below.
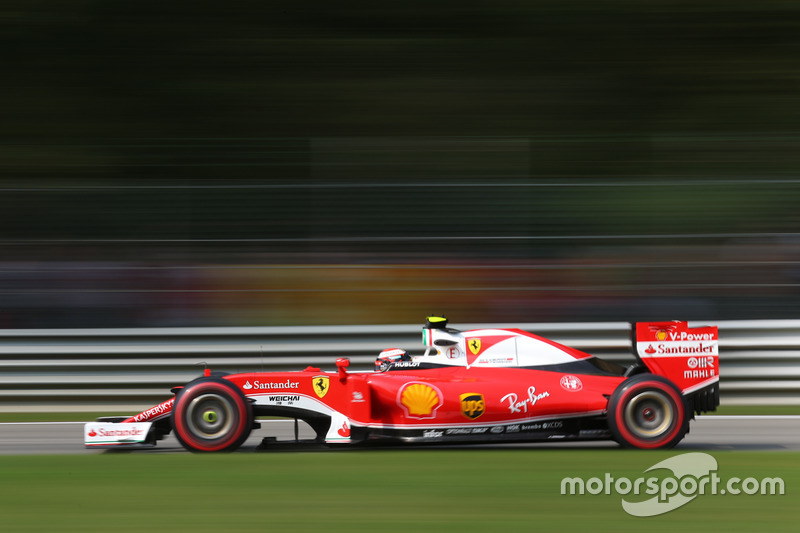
478, 386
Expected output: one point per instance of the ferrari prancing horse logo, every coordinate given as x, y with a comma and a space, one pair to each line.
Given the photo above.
474, 346
321, 385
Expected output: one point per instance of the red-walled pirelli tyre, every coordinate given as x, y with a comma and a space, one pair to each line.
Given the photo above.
211, 415
647, 411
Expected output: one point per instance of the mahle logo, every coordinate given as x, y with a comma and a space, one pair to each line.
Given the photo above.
692, 475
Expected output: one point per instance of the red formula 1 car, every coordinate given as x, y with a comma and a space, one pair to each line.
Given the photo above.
485, 385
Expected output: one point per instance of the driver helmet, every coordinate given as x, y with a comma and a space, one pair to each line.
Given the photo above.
390, 356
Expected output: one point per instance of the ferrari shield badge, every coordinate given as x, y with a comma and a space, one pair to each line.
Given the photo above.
474, 346
321, 384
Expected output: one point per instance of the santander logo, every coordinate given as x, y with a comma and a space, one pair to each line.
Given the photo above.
261, 385
93, 433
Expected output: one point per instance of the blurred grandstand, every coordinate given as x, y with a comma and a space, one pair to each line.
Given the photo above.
293, 163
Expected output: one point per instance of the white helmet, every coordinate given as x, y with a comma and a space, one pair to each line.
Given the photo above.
390, 356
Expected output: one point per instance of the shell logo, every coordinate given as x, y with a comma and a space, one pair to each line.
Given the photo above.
661, 335
419, 400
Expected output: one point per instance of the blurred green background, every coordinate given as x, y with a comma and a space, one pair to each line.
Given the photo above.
266, 163
444, 490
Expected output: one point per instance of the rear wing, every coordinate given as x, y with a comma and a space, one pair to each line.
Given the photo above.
688, 357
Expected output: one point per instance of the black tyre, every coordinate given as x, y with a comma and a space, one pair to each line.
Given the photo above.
647, 411
211, 415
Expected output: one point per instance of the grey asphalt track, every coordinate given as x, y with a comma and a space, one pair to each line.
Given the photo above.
709, 433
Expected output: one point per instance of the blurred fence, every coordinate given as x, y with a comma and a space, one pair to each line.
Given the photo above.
131, 369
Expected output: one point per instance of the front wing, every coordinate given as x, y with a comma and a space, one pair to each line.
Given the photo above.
116, 435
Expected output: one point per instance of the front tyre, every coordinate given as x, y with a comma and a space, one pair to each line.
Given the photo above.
211, 415
647, 411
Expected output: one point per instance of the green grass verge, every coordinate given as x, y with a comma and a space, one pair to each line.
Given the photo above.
375, 490
757, 410
64, 417
50, 417
81, 417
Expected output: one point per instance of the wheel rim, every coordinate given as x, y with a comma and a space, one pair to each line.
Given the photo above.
649, 415
210, 416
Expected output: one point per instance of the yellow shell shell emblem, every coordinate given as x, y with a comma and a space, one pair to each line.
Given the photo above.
420, 400
661, 335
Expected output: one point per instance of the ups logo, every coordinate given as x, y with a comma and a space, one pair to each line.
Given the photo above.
472, 405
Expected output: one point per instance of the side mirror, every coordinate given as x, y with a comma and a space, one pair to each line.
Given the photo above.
342, 363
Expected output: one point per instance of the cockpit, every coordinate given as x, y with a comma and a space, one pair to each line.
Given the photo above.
489, 347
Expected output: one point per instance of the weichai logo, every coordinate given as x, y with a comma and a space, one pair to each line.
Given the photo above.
473, 405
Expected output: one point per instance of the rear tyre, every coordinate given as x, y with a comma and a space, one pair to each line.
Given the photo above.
647, 411
211, 415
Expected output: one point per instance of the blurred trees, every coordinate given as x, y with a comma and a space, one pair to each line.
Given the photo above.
656, 141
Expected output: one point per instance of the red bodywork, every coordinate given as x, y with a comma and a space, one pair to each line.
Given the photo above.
418, 402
